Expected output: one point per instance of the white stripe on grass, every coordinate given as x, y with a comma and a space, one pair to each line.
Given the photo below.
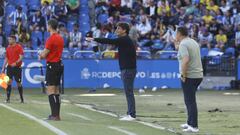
80, 116
42, 122
92, 109
121, 130
89, 107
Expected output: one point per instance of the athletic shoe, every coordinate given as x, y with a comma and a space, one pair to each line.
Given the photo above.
22, 101
184, 126
7, 101
127, 118
54, 118
191, 129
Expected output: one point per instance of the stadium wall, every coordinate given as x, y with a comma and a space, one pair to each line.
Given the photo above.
85, 73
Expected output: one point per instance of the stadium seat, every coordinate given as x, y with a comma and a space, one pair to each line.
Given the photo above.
84, 2
143, 42
77, 55
158, 44
66, 54
168, 55
70, 25
230, 51
45, 36
89, 55
34, 8
9, 9
36, 38
20, 2
7, 29
84, 18
33, 2
28, 55
204, 52
102, 18
144, 55
215, 60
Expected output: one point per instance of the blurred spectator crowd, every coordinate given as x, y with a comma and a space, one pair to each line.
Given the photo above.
215, 24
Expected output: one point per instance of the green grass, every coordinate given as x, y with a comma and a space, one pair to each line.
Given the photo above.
165, 108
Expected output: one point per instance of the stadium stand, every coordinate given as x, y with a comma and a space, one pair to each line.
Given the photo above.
203, 21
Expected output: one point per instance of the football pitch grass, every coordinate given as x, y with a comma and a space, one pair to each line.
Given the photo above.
83, 113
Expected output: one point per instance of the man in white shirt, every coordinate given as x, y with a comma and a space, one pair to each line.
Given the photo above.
144, 27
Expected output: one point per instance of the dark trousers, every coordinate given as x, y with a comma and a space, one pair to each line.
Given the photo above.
189, 91
128, 76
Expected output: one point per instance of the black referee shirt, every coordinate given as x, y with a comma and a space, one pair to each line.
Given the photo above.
126, 50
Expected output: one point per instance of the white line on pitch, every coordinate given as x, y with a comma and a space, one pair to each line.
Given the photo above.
43, 123
80, 116
114, 115
92, 109
121, 130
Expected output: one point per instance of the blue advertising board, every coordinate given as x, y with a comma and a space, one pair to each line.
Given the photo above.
85, 73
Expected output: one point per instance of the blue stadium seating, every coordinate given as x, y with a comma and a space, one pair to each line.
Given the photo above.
204, 52
144, 55
84, 2
9, 9
230, 51
77, 55
158, 44
70, 25
168, 55
102, 18
36, 38
143, 42
66, 54
20, 2
34, 2
45, 36
28, 55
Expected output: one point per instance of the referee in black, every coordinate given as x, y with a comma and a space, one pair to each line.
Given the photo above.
127, 63
53, 53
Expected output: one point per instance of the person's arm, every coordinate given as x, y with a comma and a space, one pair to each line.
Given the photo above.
4, 64
105, 40
44, 54
185, 60
184, 66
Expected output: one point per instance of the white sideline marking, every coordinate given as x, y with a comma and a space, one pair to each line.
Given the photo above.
151, 125
97, 95
145, 95
42, 122
121, 130
114, 115
92, 109
80, 116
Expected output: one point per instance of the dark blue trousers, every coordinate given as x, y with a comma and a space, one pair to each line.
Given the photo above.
189, 91
128, 76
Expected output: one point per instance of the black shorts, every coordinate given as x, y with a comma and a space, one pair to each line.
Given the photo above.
15, 72
54, 73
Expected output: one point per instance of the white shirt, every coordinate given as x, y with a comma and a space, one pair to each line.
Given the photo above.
144, 28
152, 10
127, 3
16, 14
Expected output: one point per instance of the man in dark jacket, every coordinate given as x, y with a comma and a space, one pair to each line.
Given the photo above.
127, 63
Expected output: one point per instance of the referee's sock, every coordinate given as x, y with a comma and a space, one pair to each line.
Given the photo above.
58, 102
9, 89
20, 90
52, 104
